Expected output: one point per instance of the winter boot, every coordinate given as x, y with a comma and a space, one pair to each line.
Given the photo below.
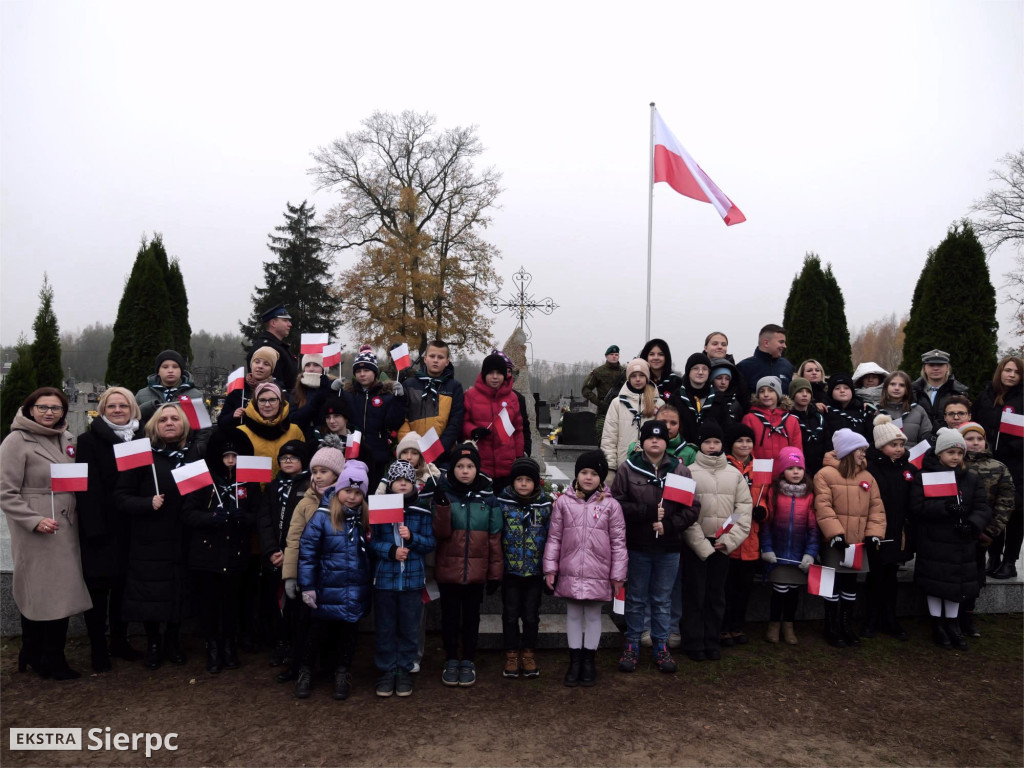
511, 669
528, 664
97, 629
788, 634
772, 633
303, 683
955, 635
967, 624
871, 623
833, 635
629, 658
939, 636
231, 653
342, 683
588, 669
213, 663
846, 623
572, 675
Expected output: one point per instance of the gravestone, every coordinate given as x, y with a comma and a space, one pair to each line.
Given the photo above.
578, 428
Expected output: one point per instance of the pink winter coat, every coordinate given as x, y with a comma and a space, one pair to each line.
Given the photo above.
586, 545
483, 404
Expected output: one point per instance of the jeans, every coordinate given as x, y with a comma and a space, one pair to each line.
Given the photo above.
650, 578
397, 628
703, 600
520, 597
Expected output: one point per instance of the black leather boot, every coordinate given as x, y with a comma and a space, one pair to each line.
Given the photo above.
572, 676
230, 653
172, 644
967, 624
213, 662
846, 623
939, 636
956, 637
588, 669
833, 634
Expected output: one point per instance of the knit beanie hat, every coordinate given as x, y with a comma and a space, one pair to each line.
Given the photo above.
366, 359
465, 451
596, 461
772, 382
734, 432
722, 370
697, 358
296, 448
885, 431
638, 364
335, 405
789, 457
306, 359
267, 386
411, 440
839, 378
846, 441
524, 466
354, 474
710, 429
266, 353
798, 383
169, 354
508, 360
653, 428
494, 363
401, 470
972, 426
329, 457
947, 438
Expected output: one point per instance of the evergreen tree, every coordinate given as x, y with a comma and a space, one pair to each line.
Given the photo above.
954, 309
806, 316
837, 355
19, 383
299, 276
144, 325
179, 310
46, 347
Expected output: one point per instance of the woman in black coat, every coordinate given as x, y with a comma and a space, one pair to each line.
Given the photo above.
945, 531
155, 589
1005, 393
103, 529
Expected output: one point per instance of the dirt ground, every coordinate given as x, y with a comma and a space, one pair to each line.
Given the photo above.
886, 703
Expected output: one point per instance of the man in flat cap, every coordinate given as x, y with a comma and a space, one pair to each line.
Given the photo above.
935, 385
277, 324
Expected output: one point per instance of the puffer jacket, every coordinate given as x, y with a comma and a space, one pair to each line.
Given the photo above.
915, 423
774, 430
998, 486
483, 404
391, 574
945, 565
436, 403
815, 436
468, 534
376, 412
155, 394
622, 425
791, 530
274, 518
586, 545
337, 565
894, 480
723, 493
220, 529
524, 532
638, 487
1005, 448
849, 507
749, 549
301, 516
268, 435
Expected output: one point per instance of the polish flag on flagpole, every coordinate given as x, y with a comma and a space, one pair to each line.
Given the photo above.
674, 165
135, 453
430, 446
352, 445
313, 343
1012, 424
937, 484
400, 354
192, 477
619, 601
195, 410
254, 469
430, 592
679, 489
916, 455
504, 426
236, 380
68, 478
821, 580
854, 557
726, 526
761, 472
387, 508
332, 355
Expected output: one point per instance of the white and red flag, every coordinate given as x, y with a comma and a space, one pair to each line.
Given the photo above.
916, 455
503, 426
674, 165
236, 380
400, 354
430, 592
430, 446
332, 355
313, 343
386, 508
730, 521
853, 557
761, 472
192, 477
134, 453
253, 469
1012, 424
619, 601
937, 484
352, 444
68, 478
821, 580
679, 489
195, 411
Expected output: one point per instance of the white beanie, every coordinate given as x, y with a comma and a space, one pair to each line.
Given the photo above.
885, 431
846, 441
947, 438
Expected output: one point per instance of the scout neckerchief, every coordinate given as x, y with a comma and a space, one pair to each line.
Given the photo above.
768, 428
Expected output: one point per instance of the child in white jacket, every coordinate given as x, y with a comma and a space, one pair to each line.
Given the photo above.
634, 406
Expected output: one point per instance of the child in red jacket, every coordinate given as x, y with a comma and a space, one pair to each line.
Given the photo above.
484, 401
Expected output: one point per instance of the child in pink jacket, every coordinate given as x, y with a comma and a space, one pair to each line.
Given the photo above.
585, 560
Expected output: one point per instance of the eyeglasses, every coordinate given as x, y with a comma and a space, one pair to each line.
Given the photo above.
268, 400
956, 414
284, 459
49, 408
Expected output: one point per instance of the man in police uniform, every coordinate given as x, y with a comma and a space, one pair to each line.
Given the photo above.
277, 324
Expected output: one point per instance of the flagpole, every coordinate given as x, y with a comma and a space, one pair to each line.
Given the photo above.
650, 224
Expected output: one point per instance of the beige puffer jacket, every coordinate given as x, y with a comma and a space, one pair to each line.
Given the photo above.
849, 507
722, 491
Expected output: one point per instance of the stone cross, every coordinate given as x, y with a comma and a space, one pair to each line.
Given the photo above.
515, 348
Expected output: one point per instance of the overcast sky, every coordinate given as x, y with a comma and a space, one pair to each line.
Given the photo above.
859, 131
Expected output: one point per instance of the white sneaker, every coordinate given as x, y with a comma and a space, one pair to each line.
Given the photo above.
416, 666
645, 639
675, 640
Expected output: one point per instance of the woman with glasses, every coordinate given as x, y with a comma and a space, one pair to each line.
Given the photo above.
266, 421
48, 583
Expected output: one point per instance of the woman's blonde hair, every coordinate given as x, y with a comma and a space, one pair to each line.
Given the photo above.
800, 370
155, 418
133, 404
338, 511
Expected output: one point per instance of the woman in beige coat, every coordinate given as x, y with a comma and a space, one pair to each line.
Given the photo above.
48, 582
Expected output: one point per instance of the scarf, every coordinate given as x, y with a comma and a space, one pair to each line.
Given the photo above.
284, 489
175, 455
796, 490
126, 432
430, 385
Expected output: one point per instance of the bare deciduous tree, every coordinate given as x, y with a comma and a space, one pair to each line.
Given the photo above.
880, 342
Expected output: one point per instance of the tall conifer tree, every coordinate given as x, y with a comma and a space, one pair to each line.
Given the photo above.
18, 384
46, 346
837, 356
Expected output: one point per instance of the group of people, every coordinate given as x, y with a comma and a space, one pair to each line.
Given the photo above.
671, 508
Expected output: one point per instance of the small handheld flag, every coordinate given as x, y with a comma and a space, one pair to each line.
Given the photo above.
192, 477
853, 557
504, 426
679, 489
430, 592
619, 603
68, 478
821, 580
313, 343
253, 469
430, 446
916, 455
195, 410
938, 484
726, 526
352, 445
135, 453
1011, 424
332, 355
236, 380
400, 354
761, 472
386, 508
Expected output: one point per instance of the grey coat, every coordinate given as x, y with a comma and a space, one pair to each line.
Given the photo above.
917, 424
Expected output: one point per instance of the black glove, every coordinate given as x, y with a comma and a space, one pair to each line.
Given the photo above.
875, 542
838, 542
493, 585
441, 499
480, 433
760, 514
965, 529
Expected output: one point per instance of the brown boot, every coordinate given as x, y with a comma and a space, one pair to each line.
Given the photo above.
772, 634
511, 664
528, 663
787, 633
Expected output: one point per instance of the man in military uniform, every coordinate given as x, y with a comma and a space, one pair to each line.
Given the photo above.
599, 381
277, 324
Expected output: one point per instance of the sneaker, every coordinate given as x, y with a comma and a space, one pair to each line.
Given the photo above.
450, 676
645, 639
415, 667
663, 659
629, 658
386, 684
467, 674
403, 683
511, 664
675, 640
528, 664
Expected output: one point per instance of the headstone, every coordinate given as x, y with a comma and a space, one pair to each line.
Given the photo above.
578, 428
515, 348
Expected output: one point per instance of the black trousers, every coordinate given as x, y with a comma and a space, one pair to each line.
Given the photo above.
43, 643
339, 636
738, 584
218, 595
106, 605
460, 619
520, 598
703, 600
277, 620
